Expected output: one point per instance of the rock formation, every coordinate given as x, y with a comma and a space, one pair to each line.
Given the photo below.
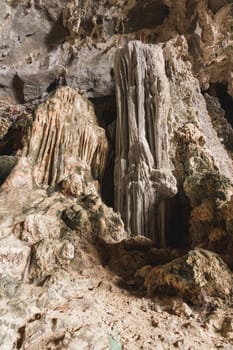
164, 135
128, 102
143, 175
195, 276
65, 136
67, 151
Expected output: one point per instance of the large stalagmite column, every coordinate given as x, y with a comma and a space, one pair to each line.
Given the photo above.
143, 177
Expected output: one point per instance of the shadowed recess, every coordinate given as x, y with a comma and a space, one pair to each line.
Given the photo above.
146, 14
57, 34
105, 109
219, 90
18, 86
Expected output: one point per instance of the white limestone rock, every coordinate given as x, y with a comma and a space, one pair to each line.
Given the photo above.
14, 258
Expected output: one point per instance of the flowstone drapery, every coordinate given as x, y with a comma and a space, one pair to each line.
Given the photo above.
143, 176
166, 144
66, 137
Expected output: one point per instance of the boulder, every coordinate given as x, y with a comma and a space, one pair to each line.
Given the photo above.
200, 277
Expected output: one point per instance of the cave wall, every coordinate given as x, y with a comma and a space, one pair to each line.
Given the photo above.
114, 110
166, 143
180, 50
45, 44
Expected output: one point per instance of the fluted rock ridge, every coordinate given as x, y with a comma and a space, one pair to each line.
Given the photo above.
143, 173
166, 144
65, 137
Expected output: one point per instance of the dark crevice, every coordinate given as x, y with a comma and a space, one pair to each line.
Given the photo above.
7, 163
87, 25
178, 211
57, 34
105, 109
16, 137
21, 339
107, 190
146, 15
219, 90
52, 87
18, 87
56, 83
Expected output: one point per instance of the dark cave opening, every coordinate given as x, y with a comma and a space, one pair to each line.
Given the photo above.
105, 109
177, 213
145, 15
219, 90
18, 87
16, 137
52, 87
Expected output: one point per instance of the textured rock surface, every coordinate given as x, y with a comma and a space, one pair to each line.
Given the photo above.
200, 276
14, 258
163, 126
65, 137
143, 176
66, 148
203, 167
173, 155
46, 43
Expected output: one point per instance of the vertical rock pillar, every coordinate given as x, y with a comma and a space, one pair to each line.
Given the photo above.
143, 176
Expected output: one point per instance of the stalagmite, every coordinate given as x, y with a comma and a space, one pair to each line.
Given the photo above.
143, 176
66, 137
67, 150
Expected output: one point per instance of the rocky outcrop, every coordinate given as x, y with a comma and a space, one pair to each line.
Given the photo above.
65, 138
168, 66
165, 136
67, 152
200, 277
51, 215
203, 167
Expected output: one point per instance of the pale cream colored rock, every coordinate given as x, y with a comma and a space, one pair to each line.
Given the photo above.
180, 308
170, 139
67, 149
39, 226
143, 172
53, 254
77, 184
73, 314
66, 137
65, 141
14, 258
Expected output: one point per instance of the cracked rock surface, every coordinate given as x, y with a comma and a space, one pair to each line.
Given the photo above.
116, 185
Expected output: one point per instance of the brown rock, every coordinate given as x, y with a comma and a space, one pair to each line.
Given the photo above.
200, 277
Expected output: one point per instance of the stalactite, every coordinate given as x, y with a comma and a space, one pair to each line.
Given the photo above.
143, 176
